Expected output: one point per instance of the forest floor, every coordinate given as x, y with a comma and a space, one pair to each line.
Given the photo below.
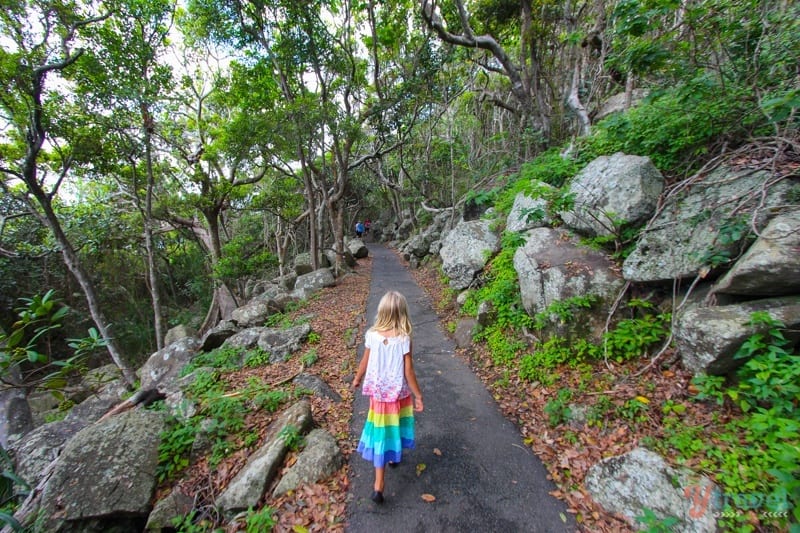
567, 449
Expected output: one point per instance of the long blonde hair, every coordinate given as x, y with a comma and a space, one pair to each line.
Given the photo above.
393, 314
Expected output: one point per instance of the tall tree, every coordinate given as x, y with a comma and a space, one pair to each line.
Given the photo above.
45, 145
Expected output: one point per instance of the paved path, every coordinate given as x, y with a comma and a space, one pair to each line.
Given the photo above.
485, 480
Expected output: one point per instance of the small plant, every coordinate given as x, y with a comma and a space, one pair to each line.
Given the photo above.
225, 358
314, 337
309, 358
270, 400
256, 358
258, 521
557, 410
654, 524
563, 310
175, 447
538, 365
292, 437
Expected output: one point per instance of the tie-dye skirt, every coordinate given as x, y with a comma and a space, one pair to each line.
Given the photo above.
389, 429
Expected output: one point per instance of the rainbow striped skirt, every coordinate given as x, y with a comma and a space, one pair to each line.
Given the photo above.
389, 429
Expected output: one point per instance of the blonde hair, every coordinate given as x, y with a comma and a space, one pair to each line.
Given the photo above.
393, 314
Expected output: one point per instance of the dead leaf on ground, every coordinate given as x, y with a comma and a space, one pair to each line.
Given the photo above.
430, 498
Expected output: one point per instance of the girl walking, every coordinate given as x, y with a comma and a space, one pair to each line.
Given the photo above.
389, 381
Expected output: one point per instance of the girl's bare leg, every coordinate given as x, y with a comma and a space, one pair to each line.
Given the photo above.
379, 472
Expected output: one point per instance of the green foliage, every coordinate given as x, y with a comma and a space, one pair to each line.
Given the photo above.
674, 127
225, 358
757, 454
292, 437
654, 524
548, 168
270, 400
175, 447
544, 357
314, 338
563, 311
309, 358
256, 357
26, 347
631, 338
731, 235
557, 410
259, 521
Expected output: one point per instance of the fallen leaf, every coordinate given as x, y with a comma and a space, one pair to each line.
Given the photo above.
430, 498
437, 451
643, 400
421, 468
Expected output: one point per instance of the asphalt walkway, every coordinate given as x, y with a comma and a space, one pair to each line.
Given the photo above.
469, 457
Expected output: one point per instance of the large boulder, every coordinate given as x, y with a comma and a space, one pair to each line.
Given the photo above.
316, 385
179, 332
529, 210
302, 264
219, 334
357, 248
707, 338
40, 447
630, 483
611, 191
419, 245
320, 458
702, 223
166, 364
247, 339
314, 281
619, 103
250, 484
465, 251
281, 343
106, 475
770, 267
176, 504
551, 267
253, 313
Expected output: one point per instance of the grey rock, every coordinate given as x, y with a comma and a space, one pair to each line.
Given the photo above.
250, 484
486, 313
357, 248
174, 505
613, 189
465, 329
247, 339
167, 363
465, 251
217, 335
302, 264
419, 245
551, 267
16, 418
708, 337
96, 405
320, 458
616, 103
254, 313
317, 385
529, 211
180, 331
314, 281
630, 483
281, 343
40, 447
770, 267
107, 472
687, 229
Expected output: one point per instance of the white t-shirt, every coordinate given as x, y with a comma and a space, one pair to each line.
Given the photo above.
385, 379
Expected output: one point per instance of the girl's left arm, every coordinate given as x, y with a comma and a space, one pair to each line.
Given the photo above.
411, 378
362, 369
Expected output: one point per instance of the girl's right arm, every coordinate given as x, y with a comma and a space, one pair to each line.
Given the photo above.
362, 369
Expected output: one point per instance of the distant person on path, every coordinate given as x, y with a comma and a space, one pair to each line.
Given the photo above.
367, 225
359, 229
389, 381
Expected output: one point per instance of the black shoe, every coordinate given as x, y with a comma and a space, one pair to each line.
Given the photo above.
393, 464
377, 496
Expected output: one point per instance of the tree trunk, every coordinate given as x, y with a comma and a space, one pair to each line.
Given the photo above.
155, 293
73, 264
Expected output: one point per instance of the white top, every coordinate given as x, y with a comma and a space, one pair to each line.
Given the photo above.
385, 379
